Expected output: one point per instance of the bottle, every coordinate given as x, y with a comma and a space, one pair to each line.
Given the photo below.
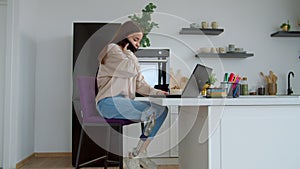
244, 86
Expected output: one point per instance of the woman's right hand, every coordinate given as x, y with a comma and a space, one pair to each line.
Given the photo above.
164, 92
125, 47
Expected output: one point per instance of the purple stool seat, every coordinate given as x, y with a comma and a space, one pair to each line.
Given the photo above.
90, 117
100, 120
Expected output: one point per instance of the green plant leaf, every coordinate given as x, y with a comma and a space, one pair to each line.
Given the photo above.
144, 21
212, 79
286, 24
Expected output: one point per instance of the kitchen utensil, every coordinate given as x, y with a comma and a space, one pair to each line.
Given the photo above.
272, 76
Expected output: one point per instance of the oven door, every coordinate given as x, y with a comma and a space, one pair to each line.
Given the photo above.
150, 72
155, 71
154, 65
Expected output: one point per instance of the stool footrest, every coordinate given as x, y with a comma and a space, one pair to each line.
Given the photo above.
92, 161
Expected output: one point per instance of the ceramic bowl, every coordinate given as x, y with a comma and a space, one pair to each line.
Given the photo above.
205, 50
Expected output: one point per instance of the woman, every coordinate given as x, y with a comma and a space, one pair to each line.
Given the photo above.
119, 78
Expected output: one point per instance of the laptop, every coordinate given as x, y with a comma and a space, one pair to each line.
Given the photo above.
194, 85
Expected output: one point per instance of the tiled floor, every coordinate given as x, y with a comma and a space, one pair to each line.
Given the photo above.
65, 163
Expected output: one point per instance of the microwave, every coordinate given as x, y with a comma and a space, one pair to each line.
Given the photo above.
154, 64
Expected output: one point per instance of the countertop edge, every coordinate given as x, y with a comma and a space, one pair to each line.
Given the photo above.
284, 101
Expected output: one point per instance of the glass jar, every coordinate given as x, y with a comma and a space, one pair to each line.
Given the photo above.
244, 86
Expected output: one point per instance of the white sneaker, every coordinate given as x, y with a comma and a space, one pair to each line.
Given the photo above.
131, 163
146, 163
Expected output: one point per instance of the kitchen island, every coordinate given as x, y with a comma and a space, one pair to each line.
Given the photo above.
260, 132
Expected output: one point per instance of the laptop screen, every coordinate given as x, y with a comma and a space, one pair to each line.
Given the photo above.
196, 81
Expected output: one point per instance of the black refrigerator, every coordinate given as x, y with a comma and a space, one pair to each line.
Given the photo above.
88, 40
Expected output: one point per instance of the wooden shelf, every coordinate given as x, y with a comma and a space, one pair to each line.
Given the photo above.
286, 34
199, 31
226, 55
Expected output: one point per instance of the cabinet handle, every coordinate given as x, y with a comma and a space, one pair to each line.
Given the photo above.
154, 61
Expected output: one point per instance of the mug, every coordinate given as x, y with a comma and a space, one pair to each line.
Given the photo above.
222, 50
204, 25
214, 25
214, 50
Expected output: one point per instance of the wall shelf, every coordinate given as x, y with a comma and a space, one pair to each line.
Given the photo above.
286, 34
199, 31
226, 55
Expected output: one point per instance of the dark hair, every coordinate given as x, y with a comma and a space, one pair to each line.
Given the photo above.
126, 29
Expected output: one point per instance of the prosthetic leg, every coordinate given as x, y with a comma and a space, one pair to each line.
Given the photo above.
147, 130
134, 162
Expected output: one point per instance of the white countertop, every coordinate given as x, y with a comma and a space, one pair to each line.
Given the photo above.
240, 101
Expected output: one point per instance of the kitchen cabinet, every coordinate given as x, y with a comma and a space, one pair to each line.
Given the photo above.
286, 34
243, 134
226, 55
260, 131
200, 31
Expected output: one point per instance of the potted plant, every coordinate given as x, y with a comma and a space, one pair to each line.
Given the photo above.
144, 21
285, 26
210, 81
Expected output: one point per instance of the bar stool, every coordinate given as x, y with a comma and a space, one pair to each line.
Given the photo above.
91, 118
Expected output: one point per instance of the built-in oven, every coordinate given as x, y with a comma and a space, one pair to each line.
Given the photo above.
154, 65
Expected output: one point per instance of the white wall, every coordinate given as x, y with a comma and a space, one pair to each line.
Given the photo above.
19, 94
2, 72
27, 73
247, 24
54, 66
